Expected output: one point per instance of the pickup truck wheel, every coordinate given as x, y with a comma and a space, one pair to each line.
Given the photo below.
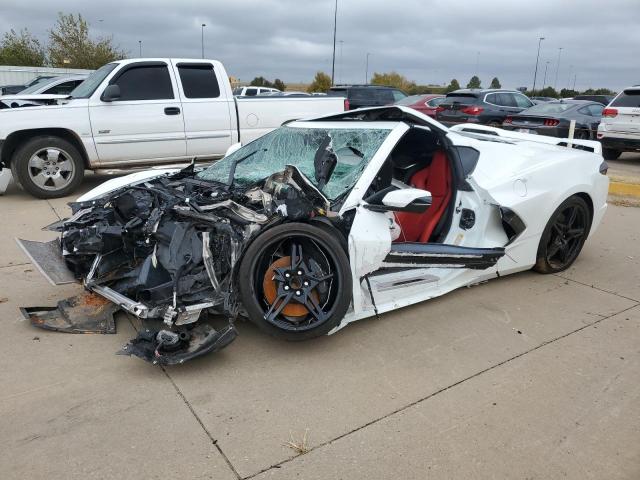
48, 167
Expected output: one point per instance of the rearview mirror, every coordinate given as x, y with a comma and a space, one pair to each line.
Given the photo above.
111, 93
412, 200
324, 162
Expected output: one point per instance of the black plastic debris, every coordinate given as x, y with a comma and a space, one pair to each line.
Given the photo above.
166, 347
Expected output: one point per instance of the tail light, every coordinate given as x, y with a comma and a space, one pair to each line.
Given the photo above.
610, 112
508, 120
550, 122
472, 110
346, 104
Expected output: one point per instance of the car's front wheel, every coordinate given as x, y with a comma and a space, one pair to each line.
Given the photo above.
48, 167
564, 235
295, 282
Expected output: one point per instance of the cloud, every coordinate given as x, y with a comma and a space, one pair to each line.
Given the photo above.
429, 41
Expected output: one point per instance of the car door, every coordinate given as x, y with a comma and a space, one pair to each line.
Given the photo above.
471, 244
145, 123
206, 110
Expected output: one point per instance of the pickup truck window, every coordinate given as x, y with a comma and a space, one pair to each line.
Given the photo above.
198, 80
251, 92
146, 82
93, 81
271, 153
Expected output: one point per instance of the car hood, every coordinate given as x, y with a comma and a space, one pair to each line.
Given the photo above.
125, 181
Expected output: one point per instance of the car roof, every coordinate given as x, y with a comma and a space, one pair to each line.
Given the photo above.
480, 91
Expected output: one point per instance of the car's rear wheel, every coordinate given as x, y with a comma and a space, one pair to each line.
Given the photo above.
48, 167
563, 236
295, 281
610, 154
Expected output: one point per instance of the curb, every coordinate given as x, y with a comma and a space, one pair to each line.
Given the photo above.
624, 189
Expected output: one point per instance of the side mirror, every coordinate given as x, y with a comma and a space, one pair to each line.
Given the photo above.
111, 93
411, 200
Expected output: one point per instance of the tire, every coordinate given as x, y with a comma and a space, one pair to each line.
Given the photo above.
494, 123
610, 154
582, 135
262, 272
564, 236
48, 167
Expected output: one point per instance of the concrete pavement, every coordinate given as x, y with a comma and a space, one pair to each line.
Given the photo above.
528, 376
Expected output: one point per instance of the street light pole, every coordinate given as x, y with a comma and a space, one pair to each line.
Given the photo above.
341, 64
140, 45
366, 71
202, 38
535, 74
333, 62
555, 84
575, 75
544, 82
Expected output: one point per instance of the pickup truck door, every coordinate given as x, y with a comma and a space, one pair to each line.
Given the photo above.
206, 109
145, 123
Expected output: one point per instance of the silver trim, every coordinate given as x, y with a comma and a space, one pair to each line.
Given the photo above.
202, 136
118, 141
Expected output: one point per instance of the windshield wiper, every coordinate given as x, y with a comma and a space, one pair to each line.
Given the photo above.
232, 171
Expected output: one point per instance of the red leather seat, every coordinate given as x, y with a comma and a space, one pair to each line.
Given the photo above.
436, 178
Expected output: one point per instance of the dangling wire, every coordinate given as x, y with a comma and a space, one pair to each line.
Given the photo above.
375, 308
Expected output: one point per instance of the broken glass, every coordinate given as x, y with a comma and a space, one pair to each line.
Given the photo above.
354, 148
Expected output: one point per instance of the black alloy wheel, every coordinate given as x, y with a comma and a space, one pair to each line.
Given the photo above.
295, 281
564, 236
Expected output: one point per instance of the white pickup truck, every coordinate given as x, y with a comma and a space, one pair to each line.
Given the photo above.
139, 112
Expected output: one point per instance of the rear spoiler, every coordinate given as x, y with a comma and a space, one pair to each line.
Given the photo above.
587, 145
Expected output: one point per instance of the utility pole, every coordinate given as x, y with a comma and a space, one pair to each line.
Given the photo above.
333, 62
202, 38
575, 75
366, 71
140, 45
341, 64
555, 84
535, 74
546, 66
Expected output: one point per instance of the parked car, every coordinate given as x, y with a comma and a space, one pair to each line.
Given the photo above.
367, 95
137, 112
553, 119
426, 104
316, 225
286, 94
484, 106
619, 130
62, 85
542, 99
253, 91
601, 99
13, 89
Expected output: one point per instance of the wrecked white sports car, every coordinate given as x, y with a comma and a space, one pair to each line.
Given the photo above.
317, 224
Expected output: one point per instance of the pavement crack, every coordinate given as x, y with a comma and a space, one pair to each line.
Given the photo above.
53, 210
199, 420
444, 389
596, 288
15, 265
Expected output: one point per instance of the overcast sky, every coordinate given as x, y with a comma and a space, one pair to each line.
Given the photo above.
429, 41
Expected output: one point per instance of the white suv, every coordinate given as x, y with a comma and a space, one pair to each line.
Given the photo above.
253, 91
619, 129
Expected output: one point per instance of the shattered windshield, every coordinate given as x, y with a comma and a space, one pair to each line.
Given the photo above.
353, 147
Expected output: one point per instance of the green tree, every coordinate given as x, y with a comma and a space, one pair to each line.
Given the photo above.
393, 79
495, 83
70, 45
547, 92
279, 84
453, 85
321, 83
21, 49
474, 82
261, 82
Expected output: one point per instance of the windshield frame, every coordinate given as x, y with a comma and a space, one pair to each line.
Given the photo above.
356, 169
87, 88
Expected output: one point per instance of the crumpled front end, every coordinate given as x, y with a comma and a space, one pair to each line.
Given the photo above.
168, 250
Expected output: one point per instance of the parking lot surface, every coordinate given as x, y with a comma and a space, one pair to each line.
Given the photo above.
528, 376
